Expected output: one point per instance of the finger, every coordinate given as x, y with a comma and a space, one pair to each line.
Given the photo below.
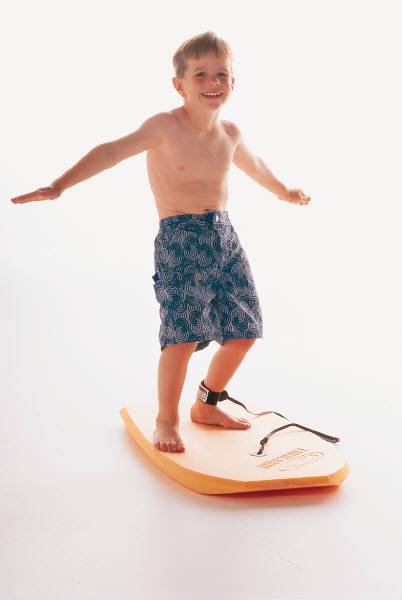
21, 200
26, 197
39, 194
18, 199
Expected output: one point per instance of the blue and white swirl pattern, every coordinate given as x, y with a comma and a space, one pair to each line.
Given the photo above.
203, 281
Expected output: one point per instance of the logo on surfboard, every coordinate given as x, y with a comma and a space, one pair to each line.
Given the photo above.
295, 459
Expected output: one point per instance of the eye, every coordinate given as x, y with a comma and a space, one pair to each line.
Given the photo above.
223, 74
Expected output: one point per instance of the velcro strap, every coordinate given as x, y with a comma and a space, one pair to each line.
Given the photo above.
206, 395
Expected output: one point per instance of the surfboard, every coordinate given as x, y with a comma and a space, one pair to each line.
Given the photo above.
273, 454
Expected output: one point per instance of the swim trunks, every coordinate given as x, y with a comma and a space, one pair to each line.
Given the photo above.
203, 281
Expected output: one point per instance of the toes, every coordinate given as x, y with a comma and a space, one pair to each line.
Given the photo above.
239, 423
170, 446
242, 424
236, 424
178, 446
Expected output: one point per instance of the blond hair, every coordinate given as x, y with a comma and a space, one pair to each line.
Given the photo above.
196, 47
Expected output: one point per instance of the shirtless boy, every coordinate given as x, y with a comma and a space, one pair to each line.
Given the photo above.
202, 280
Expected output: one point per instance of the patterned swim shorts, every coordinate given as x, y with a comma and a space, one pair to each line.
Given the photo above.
203, 282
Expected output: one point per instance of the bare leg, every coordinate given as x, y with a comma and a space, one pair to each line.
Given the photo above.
172, 371
223, 366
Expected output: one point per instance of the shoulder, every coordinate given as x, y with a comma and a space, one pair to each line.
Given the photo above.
150, 134
156, 128
158, 121
232, 130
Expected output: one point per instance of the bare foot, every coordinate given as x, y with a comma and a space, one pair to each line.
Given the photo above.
166, 437
212, 415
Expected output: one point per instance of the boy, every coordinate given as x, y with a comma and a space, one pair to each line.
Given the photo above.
202, 278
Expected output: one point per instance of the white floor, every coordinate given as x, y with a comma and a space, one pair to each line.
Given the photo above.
85, 515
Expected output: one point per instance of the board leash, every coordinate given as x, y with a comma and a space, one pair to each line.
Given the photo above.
209, 397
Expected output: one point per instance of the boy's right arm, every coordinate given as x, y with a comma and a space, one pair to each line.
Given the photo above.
148, 135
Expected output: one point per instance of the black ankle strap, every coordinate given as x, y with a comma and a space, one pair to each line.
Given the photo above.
208, 396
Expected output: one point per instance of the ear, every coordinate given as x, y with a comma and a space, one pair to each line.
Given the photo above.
177, 84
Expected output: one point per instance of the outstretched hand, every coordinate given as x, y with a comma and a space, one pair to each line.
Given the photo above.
45, 193
296, 196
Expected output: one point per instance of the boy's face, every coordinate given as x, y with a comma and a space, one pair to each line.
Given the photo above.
209, 73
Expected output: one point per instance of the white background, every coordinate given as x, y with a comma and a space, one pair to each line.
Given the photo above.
84, 514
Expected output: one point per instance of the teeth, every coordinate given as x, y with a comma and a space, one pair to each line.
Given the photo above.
210, 94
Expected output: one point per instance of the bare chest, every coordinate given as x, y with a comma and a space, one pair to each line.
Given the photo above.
185, 158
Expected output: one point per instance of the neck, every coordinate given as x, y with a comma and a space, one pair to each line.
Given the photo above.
202, 120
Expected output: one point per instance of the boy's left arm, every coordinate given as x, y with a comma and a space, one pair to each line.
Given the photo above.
255, 168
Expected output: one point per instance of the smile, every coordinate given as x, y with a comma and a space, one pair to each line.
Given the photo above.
213, 94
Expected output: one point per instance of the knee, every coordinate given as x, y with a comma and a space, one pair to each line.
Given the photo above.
185, 349
242, 345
